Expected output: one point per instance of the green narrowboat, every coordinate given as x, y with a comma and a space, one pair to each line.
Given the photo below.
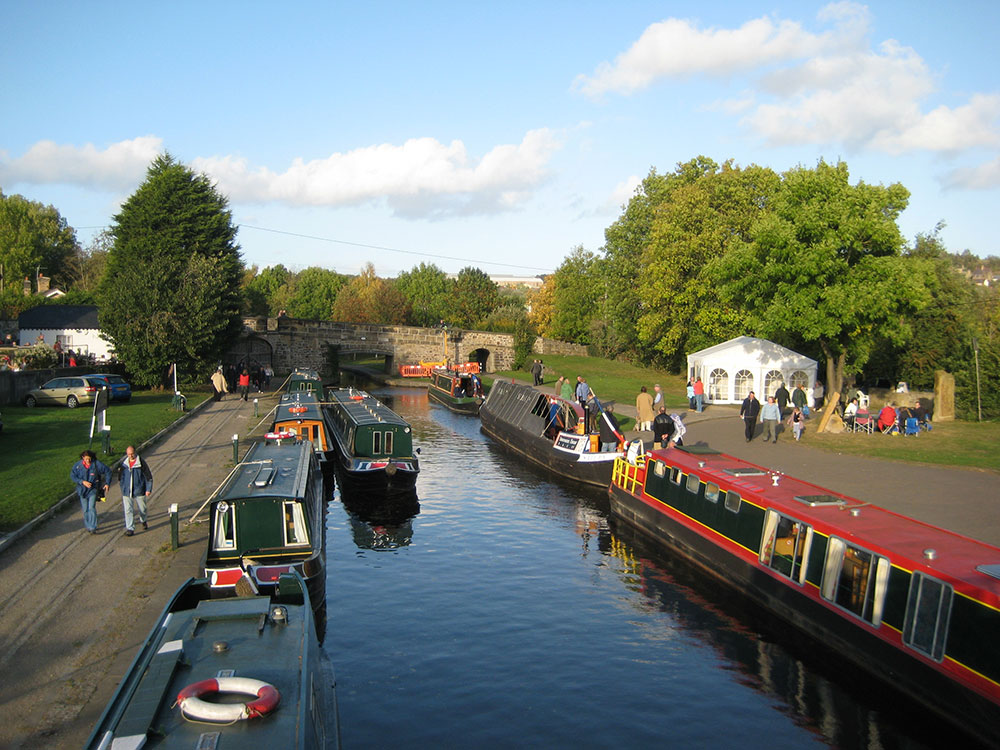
268, 518
301, 415
458, 391
304, 380
262, 648
374, 444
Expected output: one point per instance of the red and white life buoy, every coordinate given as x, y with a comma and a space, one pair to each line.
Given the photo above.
193, 707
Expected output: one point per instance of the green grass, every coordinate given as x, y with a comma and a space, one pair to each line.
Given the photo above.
44, 443
968, 444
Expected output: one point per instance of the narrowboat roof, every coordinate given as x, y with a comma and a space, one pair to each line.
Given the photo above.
906, 541
298, 405
270, 470
512, 402
363, 408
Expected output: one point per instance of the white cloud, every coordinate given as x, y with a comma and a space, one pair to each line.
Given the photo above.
119, 167
625, 191
421, 177
984, 177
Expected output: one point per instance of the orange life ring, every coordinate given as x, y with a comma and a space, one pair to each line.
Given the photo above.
193, 707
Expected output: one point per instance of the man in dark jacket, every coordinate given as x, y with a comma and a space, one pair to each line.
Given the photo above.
611, 433
136, 481
782, 396
749, 412
663, 429
90, 477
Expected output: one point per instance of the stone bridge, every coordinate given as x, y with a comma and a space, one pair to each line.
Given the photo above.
285, 343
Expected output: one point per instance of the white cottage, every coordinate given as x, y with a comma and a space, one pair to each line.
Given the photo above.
732, 369
73, 326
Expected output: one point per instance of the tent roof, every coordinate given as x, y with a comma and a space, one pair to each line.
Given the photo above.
763, 352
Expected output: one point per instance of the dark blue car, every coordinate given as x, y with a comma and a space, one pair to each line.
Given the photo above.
118, 389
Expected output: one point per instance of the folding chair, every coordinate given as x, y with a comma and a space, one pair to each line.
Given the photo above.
863, 422
911, 426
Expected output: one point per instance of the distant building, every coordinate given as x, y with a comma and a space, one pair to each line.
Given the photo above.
73, 326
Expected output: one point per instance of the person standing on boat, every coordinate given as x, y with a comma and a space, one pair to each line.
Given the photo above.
749, 411
90, 477
699, 395
611, 434
136, 482
582, 392
770, 415
644, 409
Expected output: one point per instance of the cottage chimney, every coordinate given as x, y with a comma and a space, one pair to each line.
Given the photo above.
43, 283
27, 287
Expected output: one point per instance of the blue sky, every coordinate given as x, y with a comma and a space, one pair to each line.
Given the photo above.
499, 135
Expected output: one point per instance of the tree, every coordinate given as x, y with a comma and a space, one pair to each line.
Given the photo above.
34, 238
428, 290
475, 296
368, 299
86, 267
823, 266
577, 291
313, 294
170, 291
542, 306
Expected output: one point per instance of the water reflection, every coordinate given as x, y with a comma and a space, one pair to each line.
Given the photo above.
380, 522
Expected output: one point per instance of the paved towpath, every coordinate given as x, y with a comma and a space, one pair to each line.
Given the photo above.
963, 500
75, 607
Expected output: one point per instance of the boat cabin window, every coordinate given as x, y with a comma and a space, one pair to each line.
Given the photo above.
712, 492
376, 443
296, 530
785, 546
928, 611
733, 501
225, 526
855, 579
659, 468
387, 442
693, 483
675, 475
381, 442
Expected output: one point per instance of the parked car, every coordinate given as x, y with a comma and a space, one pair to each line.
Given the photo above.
71, 391
120, 390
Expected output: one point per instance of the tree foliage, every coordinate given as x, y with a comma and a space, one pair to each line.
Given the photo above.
314, 293
170, 291
34, 238
368, 299
474, 296
428, 290
577, 296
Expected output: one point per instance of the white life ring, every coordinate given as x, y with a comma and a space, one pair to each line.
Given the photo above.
193, 707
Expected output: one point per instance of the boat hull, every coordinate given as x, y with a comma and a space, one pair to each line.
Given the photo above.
463, 405
840, 637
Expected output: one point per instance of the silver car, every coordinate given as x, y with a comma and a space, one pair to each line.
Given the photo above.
69, 391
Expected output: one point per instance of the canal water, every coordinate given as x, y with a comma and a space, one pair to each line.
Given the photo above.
510, 610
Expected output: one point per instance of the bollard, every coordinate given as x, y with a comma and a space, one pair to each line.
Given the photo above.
106, 439
236, 449
255, 413
174, 541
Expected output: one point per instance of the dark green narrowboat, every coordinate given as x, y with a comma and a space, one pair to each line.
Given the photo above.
268, 518
458, 391
300, 414
375, 445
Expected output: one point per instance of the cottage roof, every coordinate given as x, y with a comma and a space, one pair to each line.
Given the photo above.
59, 317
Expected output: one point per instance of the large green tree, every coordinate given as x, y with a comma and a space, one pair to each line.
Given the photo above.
170, 291
577, 296
34, 238
314, 292
368, 299
474, 297
428, 290
823, 267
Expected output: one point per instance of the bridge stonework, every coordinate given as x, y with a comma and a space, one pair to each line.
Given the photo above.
303, 343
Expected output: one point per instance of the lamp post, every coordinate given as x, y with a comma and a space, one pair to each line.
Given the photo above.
979, 399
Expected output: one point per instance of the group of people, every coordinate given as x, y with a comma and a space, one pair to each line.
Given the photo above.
228, 379
696, 395
890, 417
92, 479
537, 368
771, 413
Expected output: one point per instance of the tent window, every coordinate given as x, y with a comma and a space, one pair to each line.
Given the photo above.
744, 384
718, 385
799, 377
772, 381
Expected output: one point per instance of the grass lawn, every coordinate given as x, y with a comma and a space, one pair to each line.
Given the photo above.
44, 443
971, 444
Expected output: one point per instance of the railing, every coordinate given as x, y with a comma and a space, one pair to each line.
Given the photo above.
629, 476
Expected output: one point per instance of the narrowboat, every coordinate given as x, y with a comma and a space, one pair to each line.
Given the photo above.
916, 606
267, 518
304, 380
374, 444
261, 649
458, 391
547, 431
300, 414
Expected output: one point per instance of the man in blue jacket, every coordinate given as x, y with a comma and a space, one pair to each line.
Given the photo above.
90, 477
136, 480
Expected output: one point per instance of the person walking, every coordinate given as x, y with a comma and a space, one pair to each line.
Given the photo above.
611, 434
800, 400
770, 415
644, 409
244, 384
782, 396
90, 477
658, 398
690, 395
219, 385
136, 481
797, 421
749, 411
663, 429
566, 390
699, 395
536, 372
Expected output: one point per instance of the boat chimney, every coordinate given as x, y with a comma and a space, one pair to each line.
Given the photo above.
279, 615
774, 479
930, 553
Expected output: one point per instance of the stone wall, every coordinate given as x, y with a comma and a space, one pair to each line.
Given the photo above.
562, 348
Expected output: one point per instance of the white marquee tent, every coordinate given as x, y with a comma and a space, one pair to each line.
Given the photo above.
732, 369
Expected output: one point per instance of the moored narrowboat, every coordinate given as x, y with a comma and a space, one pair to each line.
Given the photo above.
267, 518
262, 648
300, 414
916, 606
304, 380
546, 430
458, 391
375, 451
